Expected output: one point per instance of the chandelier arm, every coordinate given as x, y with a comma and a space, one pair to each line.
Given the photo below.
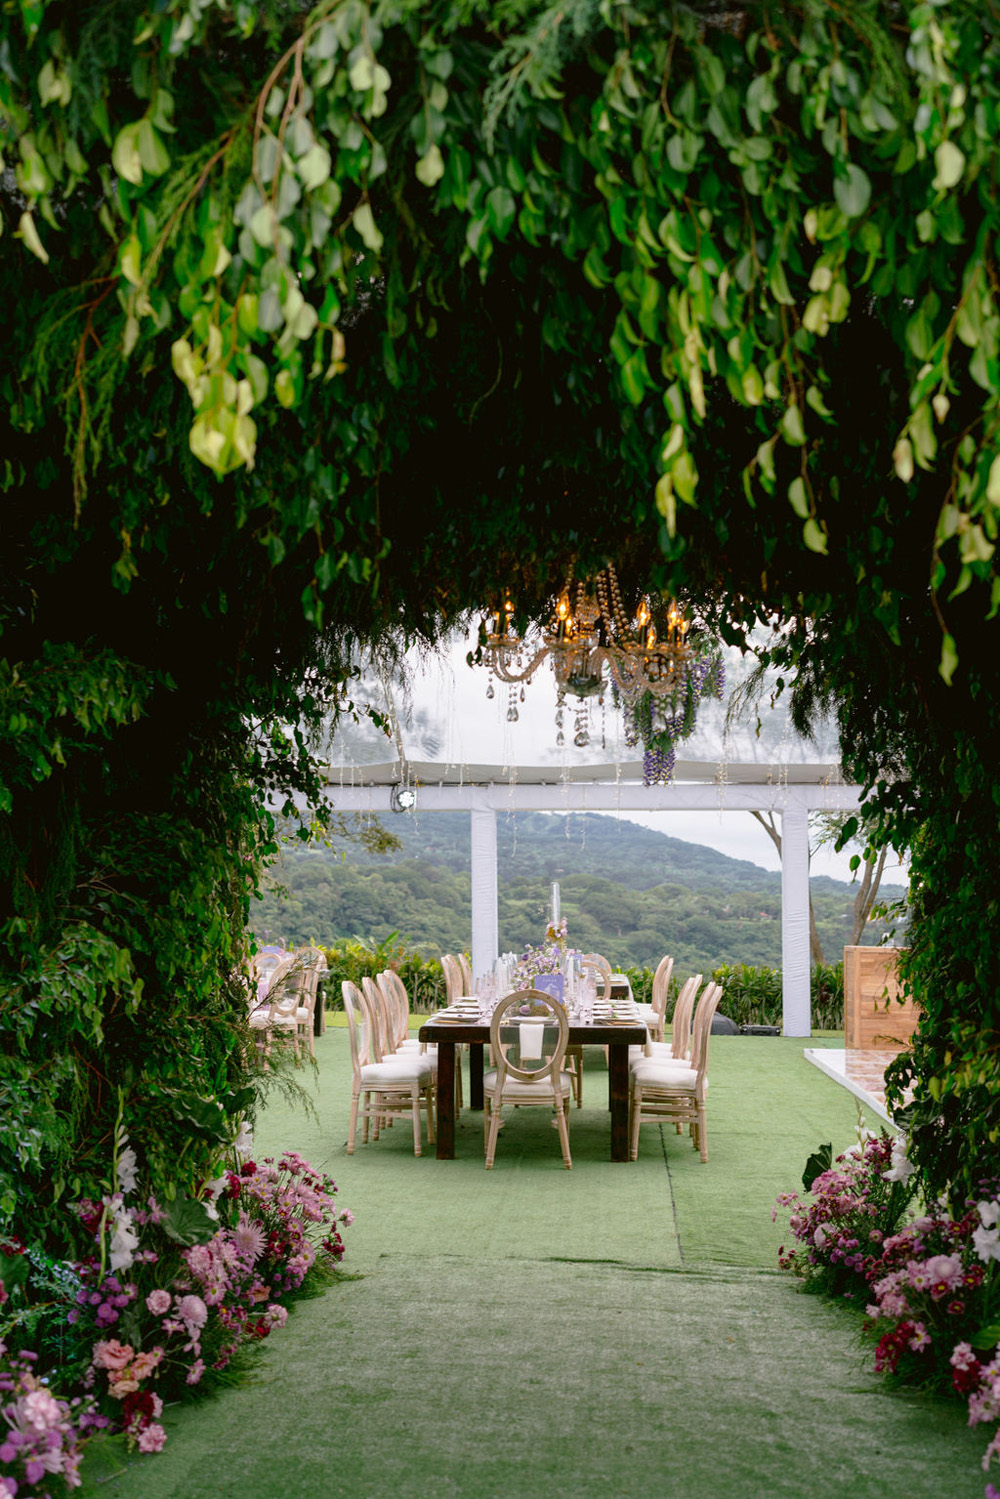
506, 673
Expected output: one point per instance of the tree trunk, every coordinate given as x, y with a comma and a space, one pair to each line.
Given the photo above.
865, 898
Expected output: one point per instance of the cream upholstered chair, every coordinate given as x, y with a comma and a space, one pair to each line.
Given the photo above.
381, 1089
313, 966
528, 1034
678, 1048
669, 1090
454, 984
653, 1014
277, 1013
454, 988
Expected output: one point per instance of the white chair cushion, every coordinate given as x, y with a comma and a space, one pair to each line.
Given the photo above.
392, 1072
515, 1092
259, 1021
653, 1074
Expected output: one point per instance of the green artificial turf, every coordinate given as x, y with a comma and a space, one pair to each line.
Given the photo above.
614, 1330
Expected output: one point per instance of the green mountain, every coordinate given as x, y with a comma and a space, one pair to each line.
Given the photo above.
629, 892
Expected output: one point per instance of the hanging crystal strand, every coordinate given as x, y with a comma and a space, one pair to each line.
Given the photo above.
489, 686
604, 723
512, 713
560, 706
581, 738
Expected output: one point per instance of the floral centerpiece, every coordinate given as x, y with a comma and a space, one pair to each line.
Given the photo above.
549, 956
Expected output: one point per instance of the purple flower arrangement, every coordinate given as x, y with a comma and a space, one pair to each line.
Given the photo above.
931, 1285
155, 1318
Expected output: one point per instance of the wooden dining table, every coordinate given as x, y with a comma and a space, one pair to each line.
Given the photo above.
446, 1035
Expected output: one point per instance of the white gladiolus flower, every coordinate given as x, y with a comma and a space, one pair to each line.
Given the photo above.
901, 1168
127, 1169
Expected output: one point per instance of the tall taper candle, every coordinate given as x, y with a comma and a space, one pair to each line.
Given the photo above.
555, 902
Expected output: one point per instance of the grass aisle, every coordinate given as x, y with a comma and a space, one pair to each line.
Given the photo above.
614, 1330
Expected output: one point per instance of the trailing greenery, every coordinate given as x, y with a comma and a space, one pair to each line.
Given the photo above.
326, 324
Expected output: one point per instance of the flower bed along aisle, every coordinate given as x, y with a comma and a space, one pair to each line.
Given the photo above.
158, 1310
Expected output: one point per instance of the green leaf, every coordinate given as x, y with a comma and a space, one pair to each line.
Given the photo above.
27, 232
949, 659
792, 429
949, 162
814, 536
820, 1161
501, 206
798, 497
125, 154
430, 167
188, 1222
314, 167
153, 154
852, 192
364, 222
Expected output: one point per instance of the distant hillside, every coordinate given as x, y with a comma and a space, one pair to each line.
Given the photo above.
627, 891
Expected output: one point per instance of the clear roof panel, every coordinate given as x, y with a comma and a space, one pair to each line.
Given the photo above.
441, 713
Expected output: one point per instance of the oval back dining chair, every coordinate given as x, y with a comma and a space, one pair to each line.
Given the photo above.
669, 1090
528, 1035
592, 962
452, 977
468, 986
382, 1088
655, 1018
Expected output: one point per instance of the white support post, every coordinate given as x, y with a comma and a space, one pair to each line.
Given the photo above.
795, 974
485, 927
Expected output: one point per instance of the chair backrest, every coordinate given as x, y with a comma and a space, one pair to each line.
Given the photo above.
452, 976
283, 988
661, 985
528, 1034
397, 1002
358, 1027
680, 1042
703, 1016
381, 1019
468, 986
593, 963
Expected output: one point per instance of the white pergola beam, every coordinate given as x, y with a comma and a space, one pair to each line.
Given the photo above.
586, 797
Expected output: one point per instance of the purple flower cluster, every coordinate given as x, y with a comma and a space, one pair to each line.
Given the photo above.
40, 1435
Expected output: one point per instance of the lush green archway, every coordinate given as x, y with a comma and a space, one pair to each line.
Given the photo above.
321, 324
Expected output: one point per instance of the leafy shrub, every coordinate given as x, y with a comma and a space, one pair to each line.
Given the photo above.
752, 996
358, 957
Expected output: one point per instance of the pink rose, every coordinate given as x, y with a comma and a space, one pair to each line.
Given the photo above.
144, 1363
112, 1354
158, 1302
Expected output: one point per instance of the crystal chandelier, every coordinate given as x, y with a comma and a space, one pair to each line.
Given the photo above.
591, 643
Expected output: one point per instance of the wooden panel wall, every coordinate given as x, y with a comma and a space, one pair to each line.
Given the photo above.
869, 978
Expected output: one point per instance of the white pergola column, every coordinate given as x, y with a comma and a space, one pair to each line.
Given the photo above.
485, 927
795, 1001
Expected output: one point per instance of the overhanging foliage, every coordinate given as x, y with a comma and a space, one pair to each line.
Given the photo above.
332, 320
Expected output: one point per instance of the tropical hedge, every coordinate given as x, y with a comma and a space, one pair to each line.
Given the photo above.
325, 325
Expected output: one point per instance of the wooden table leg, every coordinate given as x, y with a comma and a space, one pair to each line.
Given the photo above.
475, 1074
618, 1100
446, 1101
